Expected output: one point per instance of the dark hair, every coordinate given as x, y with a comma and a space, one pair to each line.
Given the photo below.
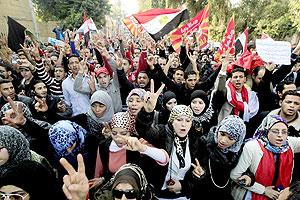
291, 92
251, 45
2, 81
237, 68
73, 56
178, 68
145, 72
6, 65
280, 86
257, 69
187, 74
34, 82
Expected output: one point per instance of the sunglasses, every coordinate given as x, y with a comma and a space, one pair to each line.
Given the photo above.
129, 194
12, 196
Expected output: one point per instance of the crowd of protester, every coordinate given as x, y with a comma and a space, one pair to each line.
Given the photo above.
124, 118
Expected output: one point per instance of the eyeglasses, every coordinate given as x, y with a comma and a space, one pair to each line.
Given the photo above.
13, 196
276, 131
129, 194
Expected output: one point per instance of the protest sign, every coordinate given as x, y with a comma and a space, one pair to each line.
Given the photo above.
277, 52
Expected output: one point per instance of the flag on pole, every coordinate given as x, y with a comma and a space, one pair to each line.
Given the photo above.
133, 26
159, 22
241, 43
228, 40
16, 34
87, 26
202, 33
86, 29
198, 24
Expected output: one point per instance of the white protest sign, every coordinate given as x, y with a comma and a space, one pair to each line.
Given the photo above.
277, 52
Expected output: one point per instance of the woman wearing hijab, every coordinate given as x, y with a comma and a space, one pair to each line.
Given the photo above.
69, 139
203, 111
169, 101
134, 101
120, 149
16, 114
175, 180
219, 155
29, 180
269, 155
14, 148
100, 112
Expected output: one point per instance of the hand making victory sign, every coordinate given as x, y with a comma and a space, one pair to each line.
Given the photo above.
76, 184
151, 97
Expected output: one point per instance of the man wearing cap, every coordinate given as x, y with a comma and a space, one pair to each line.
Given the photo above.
79, 102
106, 81
27, 72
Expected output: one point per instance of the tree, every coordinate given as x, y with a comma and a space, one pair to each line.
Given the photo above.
294, 11
70, 12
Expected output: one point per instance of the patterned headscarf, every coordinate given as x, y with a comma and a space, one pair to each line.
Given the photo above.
263, 130
180, 110
16, 145
25, 109
236, 128
63, 134
134, 175
27, 114
121, 120
136, 91
103, 98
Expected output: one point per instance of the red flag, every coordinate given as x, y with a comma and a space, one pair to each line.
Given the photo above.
202, 34
133, 26
228, 40
190, 27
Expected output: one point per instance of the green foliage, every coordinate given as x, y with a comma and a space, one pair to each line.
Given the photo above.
70, 12
278, 18
294, 12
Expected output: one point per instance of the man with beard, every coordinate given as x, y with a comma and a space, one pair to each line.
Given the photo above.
7, 89
46, 107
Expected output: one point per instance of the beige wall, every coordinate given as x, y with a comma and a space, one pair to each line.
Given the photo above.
20, 11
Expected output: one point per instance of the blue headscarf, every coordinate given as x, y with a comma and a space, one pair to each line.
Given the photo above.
235, 127
64, 134
263, 130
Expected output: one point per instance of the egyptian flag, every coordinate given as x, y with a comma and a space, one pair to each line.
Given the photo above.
198, 24
228, 41
86, 29
159, 22
16, 34
133, 26
241, 43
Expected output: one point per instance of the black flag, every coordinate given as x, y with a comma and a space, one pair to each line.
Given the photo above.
16, 34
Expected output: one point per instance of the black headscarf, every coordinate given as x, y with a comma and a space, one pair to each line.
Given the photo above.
33, 178
202, 95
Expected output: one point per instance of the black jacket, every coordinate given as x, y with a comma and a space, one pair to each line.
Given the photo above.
162, 136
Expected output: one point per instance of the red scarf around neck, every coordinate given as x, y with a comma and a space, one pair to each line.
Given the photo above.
238, 105
266, 170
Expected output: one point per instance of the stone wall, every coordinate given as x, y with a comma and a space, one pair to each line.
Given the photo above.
20, 11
